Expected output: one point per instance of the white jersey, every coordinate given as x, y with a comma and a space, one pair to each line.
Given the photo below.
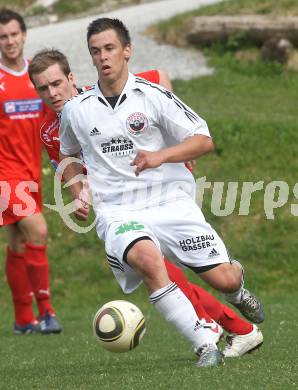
146, 117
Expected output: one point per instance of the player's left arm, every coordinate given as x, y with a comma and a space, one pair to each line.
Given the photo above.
181, 123
72, 166
192, 148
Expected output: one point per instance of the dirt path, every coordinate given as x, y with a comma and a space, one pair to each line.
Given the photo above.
70, 37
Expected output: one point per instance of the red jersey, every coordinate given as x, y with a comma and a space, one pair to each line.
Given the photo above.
150, 75
49, 131
49, 134
21, 112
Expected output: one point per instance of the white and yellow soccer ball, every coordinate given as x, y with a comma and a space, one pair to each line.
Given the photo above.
119, 326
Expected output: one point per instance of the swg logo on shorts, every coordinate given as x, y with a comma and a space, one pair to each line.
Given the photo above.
128, 227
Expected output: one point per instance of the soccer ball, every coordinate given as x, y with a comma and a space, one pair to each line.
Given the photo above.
119, 326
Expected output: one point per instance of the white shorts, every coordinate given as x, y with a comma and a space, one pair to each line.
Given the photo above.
178, 229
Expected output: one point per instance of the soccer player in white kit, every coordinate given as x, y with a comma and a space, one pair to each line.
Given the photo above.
135, 137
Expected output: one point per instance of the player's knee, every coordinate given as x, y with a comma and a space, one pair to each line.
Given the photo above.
39, 234
153, 272
147, 262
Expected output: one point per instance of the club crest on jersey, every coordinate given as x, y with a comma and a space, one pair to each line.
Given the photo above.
137, 123
9, 107
49, 133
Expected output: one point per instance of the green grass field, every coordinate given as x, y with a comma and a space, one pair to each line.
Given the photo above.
251, 110
73, 360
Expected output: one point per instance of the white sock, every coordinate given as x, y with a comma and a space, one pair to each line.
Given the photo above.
234, 297
177, 309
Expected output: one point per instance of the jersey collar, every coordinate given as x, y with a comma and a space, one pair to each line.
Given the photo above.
15, 73
128, 88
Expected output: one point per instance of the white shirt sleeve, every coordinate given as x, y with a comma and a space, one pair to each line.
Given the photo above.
69, 144
179, 120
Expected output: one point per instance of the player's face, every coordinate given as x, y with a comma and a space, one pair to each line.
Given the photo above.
109, 56
12, 40
54, 87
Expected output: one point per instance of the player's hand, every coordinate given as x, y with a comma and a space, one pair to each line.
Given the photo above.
85, 194
82, 210
191, 164
145, 159
83, 203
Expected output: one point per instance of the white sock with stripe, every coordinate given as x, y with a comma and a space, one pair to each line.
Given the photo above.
177, 309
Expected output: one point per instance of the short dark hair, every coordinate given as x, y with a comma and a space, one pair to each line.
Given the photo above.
7, 15
103, 24
45, 58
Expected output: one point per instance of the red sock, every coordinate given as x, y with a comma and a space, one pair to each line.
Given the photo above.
20, 287
221, 313
177, 276
38, 272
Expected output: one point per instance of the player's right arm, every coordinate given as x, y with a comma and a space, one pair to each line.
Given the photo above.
72, 167
79, 192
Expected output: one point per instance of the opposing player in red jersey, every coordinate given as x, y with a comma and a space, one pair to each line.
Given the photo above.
54, 82
21, 112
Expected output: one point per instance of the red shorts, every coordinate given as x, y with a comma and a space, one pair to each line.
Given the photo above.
19, 199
